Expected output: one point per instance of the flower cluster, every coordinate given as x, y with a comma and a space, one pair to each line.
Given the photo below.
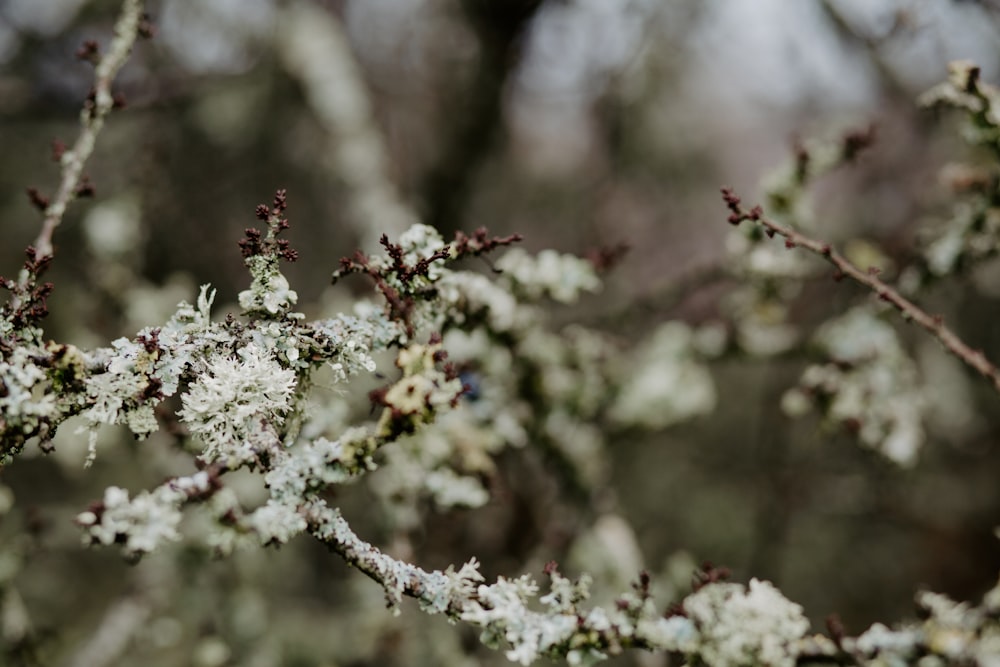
870, 385
752, 625
144, 522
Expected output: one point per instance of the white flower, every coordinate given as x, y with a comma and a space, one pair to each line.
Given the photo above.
676, 633
450, 489
746, 625
144, 522
665, 384
879, 638
549, 273
871, 382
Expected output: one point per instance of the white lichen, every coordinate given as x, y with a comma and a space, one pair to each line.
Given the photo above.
234, 394
744, 626
664, 382
870, 384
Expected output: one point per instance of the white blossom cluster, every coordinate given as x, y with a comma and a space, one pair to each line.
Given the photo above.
972, 234
952, 633
753, 625
141, 523
558, 276
666, 382
964, 90
760, 314
867, 383
870, 384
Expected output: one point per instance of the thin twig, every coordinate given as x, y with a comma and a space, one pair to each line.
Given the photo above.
91, 121
933, 324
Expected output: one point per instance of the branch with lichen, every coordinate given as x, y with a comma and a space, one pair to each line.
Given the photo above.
718, 623
869, 279
248, 377
243, 388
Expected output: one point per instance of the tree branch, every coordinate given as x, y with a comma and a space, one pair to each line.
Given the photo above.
933, 324
92, 116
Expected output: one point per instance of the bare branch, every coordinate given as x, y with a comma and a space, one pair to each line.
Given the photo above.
95, 109
933, 324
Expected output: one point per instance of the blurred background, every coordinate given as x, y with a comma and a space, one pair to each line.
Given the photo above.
579, 124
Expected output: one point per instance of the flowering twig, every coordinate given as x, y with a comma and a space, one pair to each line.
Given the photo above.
933, 324
563, 630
